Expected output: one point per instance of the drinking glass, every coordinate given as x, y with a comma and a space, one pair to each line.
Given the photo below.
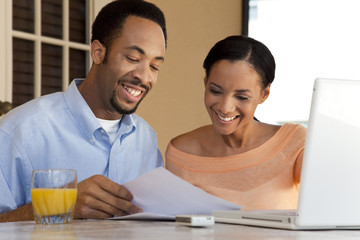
53, 194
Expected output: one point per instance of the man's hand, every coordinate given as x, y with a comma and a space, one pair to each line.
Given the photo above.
99, 197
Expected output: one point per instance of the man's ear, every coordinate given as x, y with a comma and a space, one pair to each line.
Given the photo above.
98, 52
265, 94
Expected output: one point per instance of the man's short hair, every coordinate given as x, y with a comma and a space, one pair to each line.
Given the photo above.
110, 21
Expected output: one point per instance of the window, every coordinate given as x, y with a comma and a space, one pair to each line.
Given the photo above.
50, 46
309, 39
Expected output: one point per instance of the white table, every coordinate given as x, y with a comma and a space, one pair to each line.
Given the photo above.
121, 229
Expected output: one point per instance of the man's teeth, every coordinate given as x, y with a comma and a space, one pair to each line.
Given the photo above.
133, 92
226, 119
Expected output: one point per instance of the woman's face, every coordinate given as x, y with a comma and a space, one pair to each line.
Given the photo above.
232, 93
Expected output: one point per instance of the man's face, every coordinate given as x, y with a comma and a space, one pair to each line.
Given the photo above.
132, 65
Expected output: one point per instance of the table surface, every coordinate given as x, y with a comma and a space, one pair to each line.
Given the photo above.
135, 229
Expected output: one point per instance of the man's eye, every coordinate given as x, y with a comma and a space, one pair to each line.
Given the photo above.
131, 59
154, 68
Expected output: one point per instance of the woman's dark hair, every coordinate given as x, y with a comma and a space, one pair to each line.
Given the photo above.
235, 48
109, 22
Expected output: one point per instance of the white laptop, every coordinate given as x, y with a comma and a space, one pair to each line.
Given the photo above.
329, 194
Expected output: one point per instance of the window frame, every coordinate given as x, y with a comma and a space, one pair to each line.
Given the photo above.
245, 17
6, 61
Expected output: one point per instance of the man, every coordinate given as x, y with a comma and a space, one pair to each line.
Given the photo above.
91, 126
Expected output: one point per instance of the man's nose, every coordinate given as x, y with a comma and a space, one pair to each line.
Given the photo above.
143, 73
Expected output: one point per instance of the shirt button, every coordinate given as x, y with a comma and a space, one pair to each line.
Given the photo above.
102, 130
91, 140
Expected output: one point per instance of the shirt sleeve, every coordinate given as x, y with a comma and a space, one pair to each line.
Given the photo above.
11, 175
7, 202
160, 162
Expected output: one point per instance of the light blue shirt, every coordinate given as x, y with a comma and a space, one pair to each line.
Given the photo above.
59, 130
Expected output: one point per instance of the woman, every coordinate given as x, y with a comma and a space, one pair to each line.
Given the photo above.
238, 158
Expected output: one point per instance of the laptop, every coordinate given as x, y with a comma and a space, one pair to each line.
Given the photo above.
329, 193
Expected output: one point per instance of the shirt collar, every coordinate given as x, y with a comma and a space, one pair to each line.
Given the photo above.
85, 118
127, 125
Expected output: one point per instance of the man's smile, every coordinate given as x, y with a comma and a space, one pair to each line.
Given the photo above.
132, 91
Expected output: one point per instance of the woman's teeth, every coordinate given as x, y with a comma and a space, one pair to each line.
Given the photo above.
133, 92
226, 119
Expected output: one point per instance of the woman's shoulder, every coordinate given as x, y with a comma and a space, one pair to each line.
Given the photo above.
275, 136
291, 134
296, 129
191, 142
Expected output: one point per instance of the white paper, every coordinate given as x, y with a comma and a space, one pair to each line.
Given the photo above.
162, 195
145, 216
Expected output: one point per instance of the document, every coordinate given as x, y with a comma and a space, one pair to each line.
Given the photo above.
162, 195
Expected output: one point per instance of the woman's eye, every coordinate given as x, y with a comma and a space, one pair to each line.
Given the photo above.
215, 91
242, 98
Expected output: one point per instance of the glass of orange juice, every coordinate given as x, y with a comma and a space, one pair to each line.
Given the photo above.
53, 194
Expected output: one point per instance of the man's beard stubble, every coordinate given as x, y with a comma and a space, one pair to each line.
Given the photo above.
121, 110
117, 105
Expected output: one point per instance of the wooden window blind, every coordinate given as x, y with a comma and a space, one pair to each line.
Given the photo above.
51, 18
52, 64
23, 15
77, 64
51, 69
23, 71
78, 33
78, 21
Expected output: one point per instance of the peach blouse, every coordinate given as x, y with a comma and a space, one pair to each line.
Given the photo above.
266, 177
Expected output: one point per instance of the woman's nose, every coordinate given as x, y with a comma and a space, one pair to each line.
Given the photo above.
226, 106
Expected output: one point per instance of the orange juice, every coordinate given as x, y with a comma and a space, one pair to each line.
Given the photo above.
53, 201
